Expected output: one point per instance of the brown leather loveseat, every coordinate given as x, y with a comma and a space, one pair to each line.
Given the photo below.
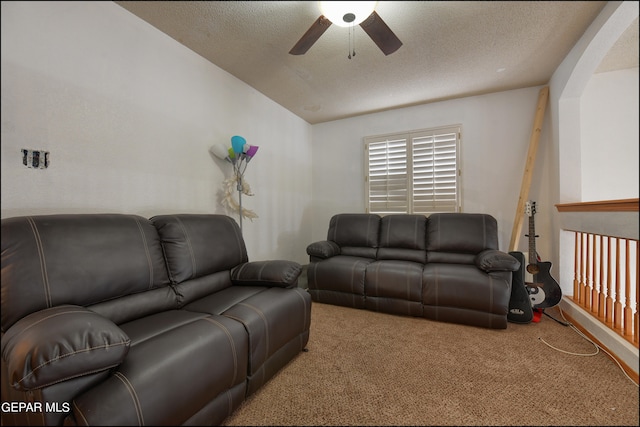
443, 267
113, 319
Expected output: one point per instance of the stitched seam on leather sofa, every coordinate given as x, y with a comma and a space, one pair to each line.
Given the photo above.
353, 271
231, 343
79, 412
82, 374
304, 307
491, 290
240, 270
377, 289
229, 402
335, 230
62, 356
484, 232
261, 270
437, 287
43, 263
134, 396
266, 324
49, 317
188, 240
408, 288
386, 237
369, 226
146, 251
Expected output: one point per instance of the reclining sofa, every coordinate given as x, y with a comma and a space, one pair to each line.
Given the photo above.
444, 267
114, 319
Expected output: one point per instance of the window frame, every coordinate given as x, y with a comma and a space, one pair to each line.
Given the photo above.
398, 155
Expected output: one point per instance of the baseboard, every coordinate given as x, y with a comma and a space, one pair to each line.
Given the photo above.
622, 350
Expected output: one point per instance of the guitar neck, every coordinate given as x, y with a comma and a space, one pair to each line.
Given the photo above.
532, 241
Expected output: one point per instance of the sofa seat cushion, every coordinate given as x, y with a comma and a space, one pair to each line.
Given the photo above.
277, 322
221, 301
341, 278
275, 319
394, 279
394, 287
466, 287
146, 328
172, 374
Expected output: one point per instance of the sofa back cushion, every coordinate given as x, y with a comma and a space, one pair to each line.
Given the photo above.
80, 259
458, 237
403, 237
356, 234
197, 245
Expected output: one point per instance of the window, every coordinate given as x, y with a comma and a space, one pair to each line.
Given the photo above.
414, 172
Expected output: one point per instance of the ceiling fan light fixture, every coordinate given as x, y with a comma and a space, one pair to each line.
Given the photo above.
347, 13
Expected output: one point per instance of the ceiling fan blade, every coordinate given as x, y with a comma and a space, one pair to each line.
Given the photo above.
381, 34
311, 36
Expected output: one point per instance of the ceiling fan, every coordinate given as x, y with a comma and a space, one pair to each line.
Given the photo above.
347, 14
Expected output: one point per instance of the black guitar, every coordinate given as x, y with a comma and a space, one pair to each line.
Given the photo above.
544, 292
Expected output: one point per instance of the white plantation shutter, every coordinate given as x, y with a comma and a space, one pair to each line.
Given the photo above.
388, 176
414, 172
435, 171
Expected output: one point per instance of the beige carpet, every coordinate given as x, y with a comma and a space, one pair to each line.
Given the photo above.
368, 368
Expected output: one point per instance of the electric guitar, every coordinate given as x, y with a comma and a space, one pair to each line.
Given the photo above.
544, 292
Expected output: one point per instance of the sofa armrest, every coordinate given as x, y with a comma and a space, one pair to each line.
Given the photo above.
323, 249
60, 343
274, 273
495, 260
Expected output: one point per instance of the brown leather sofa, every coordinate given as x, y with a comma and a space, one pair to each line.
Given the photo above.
113, 319
443, 267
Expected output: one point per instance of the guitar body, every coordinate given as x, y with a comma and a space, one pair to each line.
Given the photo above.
545, 292
520, 308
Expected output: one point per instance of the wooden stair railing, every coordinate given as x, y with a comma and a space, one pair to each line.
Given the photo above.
606, 281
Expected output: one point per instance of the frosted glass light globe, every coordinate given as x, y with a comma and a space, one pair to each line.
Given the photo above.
338, 11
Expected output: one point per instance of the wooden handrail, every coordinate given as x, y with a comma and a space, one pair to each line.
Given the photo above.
620, 205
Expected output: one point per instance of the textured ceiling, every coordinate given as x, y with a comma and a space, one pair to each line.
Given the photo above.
450, 49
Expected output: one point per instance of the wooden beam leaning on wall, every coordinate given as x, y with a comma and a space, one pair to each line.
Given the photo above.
528, 169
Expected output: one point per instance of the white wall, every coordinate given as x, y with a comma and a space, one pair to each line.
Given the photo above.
577, 96
609, 130
606, 120
496, 130
128, 115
